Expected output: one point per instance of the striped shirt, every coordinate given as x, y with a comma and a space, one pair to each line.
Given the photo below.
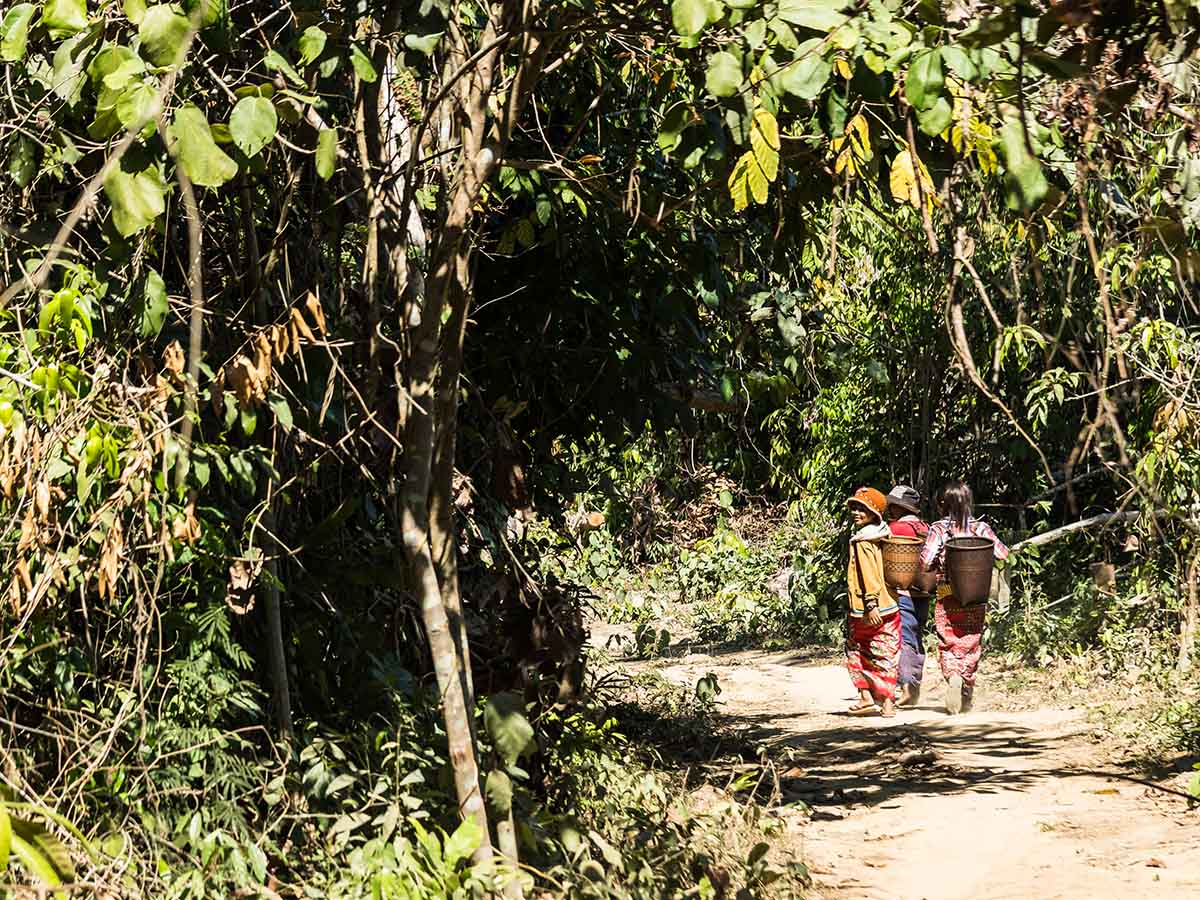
934, 552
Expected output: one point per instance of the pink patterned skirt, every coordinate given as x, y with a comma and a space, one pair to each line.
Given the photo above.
960, 637
873, 656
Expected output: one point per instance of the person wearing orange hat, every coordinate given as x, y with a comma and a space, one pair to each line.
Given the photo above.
873, 645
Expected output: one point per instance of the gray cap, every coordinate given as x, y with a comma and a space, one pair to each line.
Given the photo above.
904, 496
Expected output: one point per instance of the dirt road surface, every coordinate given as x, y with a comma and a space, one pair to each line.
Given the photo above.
990, 804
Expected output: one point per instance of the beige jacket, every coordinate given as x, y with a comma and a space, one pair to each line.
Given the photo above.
864, 574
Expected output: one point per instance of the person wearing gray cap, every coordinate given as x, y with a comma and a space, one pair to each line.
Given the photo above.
904, 519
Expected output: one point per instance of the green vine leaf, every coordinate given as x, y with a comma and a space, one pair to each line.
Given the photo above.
163, 31
311, 44
14, 32
253, 124
424, 44
363, 67
510, 731
154, 305
819, 15
806, 75
924, 81
689, 16
198, 155
724, 75
63, 18
326, 153
137, 198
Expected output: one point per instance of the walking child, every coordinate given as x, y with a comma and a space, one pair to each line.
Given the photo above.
904, 519
873, 644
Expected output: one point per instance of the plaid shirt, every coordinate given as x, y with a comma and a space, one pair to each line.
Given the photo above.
934, 552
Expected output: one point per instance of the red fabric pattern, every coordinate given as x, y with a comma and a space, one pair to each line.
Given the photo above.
873, 656
909, 526
960, 638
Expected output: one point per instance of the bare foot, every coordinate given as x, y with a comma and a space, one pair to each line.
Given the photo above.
889, 708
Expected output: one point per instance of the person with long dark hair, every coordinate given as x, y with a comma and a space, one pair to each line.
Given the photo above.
959, 626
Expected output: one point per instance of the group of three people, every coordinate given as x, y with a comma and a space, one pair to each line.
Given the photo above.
886, 639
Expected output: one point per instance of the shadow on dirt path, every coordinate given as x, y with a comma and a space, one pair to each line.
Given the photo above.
925, 806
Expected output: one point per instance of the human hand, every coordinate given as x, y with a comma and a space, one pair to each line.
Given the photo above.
873, 618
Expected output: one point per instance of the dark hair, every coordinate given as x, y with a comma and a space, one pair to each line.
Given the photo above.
956, 501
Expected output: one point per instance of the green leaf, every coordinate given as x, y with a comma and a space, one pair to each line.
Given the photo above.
253, 124
959, 62
311, 44
22, 161
363, 67
806, 75
937, 118
819, 15
924, 81
197, 153
499, 790
68, 75
275, 62
724, 75
326, 153
1024, 181
135, 10
510, 731
424, 44
689, 16
163, 32
64, 17
248, 419
154, 306
5, 838
14, 32
283, 412
138, 104
35, 861
115, 66
215, 11
137, 197
44, 844
462, 843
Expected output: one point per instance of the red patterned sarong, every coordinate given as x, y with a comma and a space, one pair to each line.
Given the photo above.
873, 656
960, 637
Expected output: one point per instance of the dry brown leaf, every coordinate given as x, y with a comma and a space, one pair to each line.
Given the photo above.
281, 340
174, 359
242, 575
18, 435
314, 310
28, 532
23, 573
110, 561
262, 358
8, 474
218, 394
186, 526
302, 326
243, 378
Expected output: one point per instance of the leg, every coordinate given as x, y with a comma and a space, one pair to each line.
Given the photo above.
855, 666
881, 661
913, 613
959, 630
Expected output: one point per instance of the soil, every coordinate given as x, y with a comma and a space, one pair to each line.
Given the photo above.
1014, 799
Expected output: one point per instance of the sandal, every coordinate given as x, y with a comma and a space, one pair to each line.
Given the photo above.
863, 710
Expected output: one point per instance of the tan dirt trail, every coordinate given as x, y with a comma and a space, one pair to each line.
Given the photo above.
989, 804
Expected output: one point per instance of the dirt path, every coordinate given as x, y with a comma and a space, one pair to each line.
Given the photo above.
989, 804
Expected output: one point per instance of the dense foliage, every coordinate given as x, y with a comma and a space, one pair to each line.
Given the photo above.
345, 346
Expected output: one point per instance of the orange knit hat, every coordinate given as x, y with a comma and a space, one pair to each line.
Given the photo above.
872, 499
